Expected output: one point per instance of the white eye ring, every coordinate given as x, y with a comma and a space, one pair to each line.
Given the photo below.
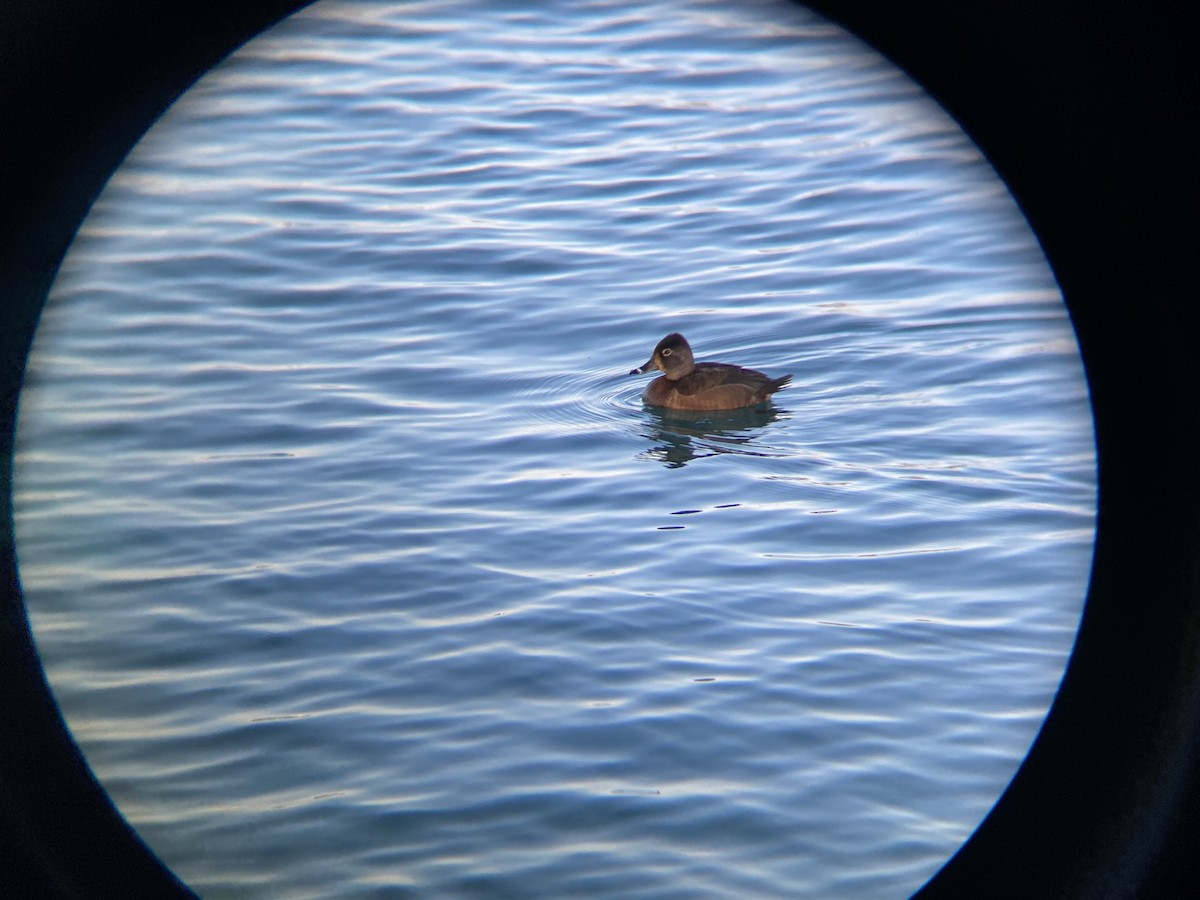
667, 352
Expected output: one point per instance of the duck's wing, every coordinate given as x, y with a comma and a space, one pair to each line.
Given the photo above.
710, 376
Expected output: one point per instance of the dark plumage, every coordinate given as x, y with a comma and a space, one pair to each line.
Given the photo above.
687, 384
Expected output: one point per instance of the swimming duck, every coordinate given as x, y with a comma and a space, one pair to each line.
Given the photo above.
688, 384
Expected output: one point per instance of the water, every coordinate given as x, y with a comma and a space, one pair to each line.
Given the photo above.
359, 568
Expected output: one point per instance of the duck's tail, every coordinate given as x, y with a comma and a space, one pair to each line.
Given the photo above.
778, 384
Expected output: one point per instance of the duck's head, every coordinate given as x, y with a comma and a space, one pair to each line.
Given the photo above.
673, 356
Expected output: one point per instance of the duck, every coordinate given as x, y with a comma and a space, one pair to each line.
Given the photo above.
687, 384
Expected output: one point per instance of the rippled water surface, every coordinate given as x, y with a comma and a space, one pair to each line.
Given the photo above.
360, 569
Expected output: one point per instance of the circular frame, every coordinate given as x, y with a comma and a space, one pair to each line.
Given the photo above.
1082, 113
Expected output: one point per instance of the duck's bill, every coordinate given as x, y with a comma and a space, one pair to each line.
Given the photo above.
644, 369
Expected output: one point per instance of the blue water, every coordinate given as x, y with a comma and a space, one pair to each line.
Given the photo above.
356, 562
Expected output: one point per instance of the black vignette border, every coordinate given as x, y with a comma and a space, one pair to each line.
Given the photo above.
80, 83
1083, 109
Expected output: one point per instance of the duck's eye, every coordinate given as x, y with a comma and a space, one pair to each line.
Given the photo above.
667, 352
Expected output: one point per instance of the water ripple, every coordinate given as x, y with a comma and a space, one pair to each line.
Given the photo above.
357, 562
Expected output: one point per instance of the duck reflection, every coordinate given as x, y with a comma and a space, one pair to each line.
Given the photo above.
681, 436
